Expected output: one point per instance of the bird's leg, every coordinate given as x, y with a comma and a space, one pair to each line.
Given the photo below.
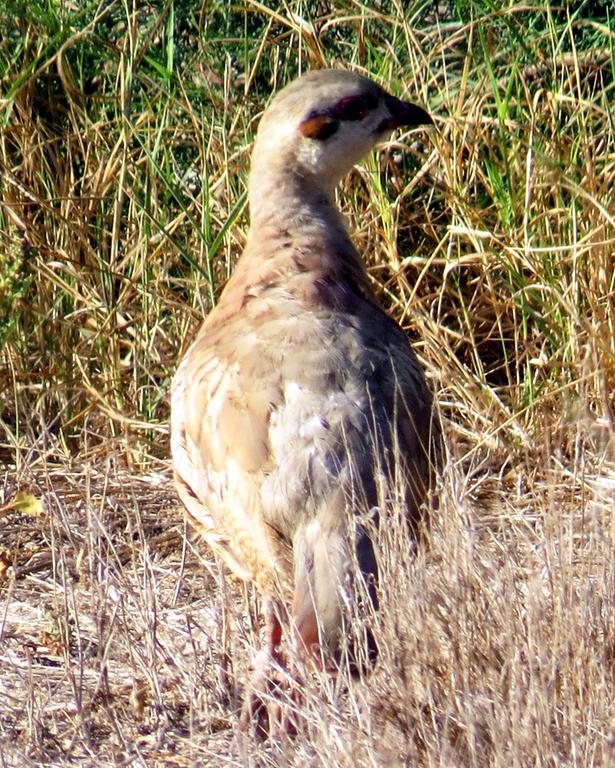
260, 707
273, 629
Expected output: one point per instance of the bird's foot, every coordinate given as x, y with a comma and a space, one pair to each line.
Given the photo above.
270, 704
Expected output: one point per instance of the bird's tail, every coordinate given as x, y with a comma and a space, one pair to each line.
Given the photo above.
333, 570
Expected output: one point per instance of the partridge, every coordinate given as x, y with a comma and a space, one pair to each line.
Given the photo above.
301, 408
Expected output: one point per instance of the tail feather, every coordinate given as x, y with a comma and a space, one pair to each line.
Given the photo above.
324, 565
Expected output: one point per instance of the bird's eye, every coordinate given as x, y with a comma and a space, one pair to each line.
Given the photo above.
354, 107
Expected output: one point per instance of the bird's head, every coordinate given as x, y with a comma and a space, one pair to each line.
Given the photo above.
320, 125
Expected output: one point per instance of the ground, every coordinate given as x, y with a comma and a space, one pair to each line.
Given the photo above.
123, 642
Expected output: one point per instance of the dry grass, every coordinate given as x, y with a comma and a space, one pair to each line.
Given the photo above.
121, 647
124, 146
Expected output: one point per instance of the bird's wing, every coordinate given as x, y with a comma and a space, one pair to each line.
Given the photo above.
219, 440
283, 418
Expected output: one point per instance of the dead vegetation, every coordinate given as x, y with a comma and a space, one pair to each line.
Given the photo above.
123, 645
123, 149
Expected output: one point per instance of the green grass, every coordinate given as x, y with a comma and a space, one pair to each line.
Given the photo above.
124, 150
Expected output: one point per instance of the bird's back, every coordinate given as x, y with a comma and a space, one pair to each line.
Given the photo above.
298, 411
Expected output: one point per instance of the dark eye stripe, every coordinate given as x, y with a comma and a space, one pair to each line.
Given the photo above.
322, 123
354, 107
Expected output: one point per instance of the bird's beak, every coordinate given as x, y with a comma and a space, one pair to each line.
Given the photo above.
404, 113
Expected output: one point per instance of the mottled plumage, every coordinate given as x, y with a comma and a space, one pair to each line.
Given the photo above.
300, 399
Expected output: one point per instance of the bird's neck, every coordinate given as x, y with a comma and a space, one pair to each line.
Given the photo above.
299, 212
298, 246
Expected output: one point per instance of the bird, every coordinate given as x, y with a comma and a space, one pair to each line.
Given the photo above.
301, 405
